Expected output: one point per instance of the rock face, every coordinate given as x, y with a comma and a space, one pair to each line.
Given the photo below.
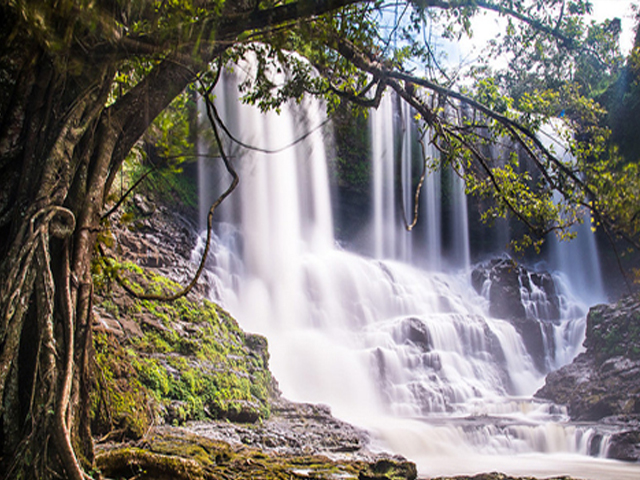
528, 300
292, 429
184, 359
604, 381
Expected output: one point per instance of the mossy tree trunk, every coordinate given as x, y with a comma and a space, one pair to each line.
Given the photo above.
59, 153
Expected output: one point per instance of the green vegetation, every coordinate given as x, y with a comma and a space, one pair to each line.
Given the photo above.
352, 162
186, 360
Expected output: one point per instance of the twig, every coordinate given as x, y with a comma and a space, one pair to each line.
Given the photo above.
416, 198
128, 192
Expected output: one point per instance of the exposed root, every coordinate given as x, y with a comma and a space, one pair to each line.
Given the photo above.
53, 372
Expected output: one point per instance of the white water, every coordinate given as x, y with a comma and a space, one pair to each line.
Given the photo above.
578, 261
410, 354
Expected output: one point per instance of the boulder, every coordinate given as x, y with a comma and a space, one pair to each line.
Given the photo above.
413, 330
504, 293
614, 330
625, 446
603, 381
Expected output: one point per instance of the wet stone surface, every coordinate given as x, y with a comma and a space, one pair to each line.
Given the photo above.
293, 429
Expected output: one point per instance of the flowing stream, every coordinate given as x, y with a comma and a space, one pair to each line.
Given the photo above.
409, 353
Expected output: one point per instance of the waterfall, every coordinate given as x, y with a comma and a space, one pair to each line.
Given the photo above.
432, 205
385, 227
578, 260
411, 354
460, 256
392, 141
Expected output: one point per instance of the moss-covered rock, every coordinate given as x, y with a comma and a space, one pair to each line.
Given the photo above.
614, 330
173, 361
122, 406
173, 453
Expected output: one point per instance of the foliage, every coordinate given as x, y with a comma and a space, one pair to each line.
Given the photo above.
549, 79
622, 100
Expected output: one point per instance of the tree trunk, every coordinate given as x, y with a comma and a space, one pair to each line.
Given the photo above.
60, 150
46, 246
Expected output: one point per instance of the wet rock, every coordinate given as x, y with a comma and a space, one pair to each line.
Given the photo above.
292, 429
604, 380
614, 330
625, 446
478, 278
416, 332
504, 293
514, 290
529, 301
143, 205
148, 321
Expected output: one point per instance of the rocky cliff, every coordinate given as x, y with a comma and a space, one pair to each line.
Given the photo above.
603, 383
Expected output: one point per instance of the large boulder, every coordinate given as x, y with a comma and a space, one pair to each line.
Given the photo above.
625, 446
605, 379
603, 383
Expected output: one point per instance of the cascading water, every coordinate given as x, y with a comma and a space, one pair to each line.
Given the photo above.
411, 354
391, 132
432, 211
384, 190
578, 261
461, 257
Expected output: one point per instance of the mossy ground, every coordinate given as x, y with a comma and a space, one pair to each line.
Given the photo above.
172, 453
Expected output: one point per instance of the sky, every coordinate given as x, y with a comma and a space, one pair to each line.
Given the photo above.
603, 9
486, 26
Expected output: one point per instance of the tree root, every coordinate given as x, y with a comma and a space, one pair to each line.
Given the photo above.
51, 390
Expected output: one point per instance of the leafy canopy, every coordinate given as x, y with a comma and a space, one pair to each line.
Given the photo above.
554, 65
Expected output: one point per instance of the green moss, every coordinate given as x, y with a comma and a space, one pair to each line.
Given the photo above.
119, 400
174, 453
196, 359
153, 375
